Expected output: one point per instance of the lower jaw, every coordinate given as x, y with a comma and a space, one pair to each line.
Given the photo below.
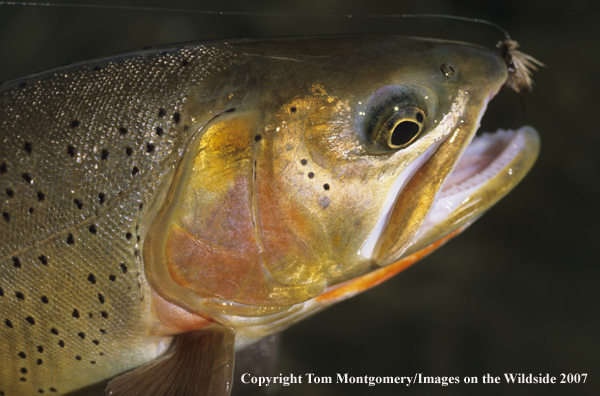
492, 165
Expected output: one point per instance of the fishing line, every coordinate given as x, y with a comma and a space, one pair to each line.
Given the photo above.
255, 13
520, 65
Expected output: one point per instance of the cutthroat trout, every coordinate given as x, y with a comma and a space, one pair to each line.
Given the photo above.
164, 208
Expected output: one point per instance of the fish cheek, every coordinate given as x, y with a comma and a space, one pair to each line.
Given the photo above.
314, 204
207, 236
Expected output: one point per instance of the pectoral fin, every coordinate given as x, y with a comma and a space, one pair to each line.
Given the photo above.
201, 364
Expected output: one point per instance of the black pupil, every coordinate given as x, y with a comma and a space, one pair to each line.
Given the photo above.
404, 132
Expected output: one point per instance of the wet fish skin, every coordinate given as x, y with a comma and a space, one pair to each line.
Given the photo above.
84, 152
104, 150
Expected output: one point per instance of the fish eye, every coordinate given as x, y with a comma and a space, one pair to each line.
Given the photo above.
395, 116
402, 128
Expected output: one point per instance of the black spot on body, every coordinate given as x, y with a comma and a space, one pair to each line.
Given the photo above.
16, 262
22, 355
257, 138
43, 259
8, 323
70, 239
129, 151
176, 117
53, 390
93, 362
123, 131
112, 278
39, 361
81, 335
30, 210
159, 131
91, 278
95, 342
27, 178
40, 349
93, 229
28, 148
44, 299
10, 192
128, 235
20, 296
75, 313
303, 162
54, 331
123, 268
78, 203
326, 186
102, 331
23, 379
3, 168
104, 155
101, 198
30, 320
74, 123
71, 151
6, 216
185, 63
78, 357
101, 298
311, 175
104, 314
23, 370
1, 292
150, 148
135, 171
41, 196
61, 343
162, 113
293, 109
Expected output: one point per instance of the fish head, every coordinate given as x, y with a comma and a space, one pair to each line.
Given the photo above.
325, 159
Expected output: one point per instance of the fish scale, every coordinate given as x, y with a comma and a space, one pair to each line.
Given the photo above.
88, 139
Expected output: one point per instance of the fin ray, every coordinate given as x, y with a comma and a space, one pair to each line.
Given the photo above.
201, 363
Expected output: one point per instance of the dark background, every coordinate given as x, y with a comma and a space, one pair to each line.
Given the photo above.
517, 292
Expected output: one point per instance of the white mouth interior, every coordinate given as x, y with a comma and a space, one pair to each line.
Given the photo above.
484, 158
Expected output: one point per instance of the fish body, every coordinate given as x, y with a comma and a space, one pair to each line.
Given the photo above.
188, 201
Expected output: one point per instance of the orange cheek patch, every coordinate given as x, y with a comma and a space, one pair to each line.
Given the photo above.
350, 288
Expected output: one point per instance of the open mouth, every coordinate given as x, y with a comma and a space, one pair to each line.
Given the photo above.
491, 166
488, 160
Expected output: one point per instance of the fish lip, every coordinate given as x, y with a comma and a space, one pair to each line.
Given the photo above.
491, 166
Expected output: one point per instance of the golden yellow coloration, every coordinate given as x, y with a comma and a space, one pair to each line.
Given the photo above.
214, 194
